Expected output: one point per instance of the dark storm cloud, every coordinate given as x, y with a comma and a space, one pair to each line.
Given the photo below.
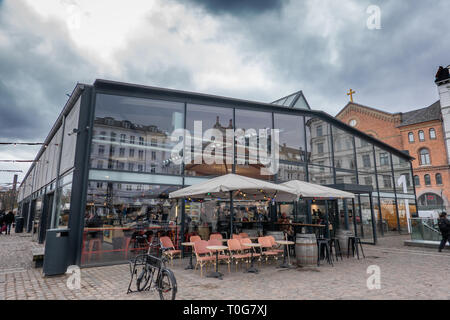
38, 66
327, 51
237, 7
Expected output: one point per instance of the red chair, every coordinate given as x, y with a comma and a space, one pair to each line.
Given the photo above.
236, 236
243, 235
194, 238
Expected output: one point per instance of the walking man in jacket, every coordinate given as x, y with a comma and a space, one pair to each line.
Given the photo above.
9, 219
444, 227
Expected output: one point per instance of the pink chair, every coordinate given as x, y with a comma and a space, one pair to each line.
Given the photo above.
235, 250
203, 255
243, 235
249, 249
194, 238
266, 248
236, 236
169, 249
217, 236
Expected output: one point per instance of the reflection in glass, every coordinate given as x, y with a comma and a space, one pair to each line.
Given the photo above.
118, 213
212, 154
134, 134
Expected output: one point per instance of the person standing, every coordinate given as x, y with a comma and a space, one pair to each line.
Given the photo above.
2, 219
444, 227
9, 219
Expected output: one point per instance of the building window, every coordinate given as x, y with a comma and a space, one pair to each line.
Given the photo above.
432, 133
141, 141
438, 178
140, 167
102, 135
421, 136
411, 137
153, 168
112, 151
131, 153
154, 143
121, 165
320, 148
99, 185
153, 155
384, 159
132, 139
101, 150
387, 181
319, 131
417, 180
366, 161
368, 181
141, 154
427, 179
424, 156
113, 136
122, 152
130, 166
122, 138
99, 164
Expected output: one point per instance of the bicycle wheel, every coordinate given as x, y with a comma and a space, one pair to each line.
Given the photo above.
167, 285
143, 278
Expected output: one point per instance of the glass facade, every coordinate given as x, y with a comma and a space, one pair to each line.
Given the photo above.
137, 145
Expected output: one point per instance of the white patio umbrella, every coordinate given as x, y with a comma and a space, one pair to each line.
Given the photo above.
221, 187
227, 185
310, 190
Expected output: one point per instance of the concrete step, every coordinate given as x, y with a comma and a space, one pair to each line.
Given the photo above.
424, 244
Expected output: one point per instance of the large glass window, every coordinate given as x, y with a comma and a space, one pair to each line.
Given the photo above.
147, 119
292, 137
421, 136
438, 178
254, 154
411, 137
427, 179
211, 150
344, 157
115, 216
319, 147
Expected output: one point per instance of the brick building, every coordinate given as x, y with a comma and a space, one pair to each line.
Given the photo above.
423, 133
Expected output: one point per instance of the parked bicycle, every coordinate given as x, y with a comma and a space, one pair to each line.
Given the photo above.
151, 271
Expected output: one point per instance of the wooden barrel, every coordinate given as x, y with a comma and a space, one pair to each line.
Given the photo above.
306, 249
203, 232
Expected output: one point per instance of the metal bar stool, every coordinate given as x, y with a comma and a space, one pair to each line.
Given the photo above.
325, 244
353, 243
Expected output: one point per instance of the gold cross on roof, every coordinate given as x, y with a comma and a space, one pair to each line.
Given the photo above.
350, 93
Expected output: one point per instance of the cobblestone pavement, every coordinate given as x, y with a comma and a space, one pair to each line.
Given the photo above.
406, 273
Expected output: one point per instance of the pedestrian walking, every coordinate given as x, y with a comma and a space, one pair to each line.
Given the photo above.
444, 227
2, 218
9, 219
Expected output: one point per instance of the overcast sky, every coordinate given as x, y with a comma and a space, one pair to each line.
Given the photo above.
258, 50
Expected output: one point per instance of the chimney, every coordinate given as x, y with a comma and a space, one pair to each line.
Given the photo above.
443, 83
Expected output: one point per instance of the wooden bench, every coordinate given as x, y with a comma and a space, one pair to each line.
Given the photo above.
38, 257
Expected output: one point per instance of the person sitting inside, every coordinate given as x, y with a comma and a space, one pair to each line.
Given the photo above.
286, 226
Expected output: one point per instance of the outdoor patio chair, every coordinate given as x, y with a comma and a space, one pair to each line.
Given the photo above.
236, 252
169, 249
217, 236
266, 249
203, 255
243, 235
275, 246
236, 236
249, 249
194, 238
